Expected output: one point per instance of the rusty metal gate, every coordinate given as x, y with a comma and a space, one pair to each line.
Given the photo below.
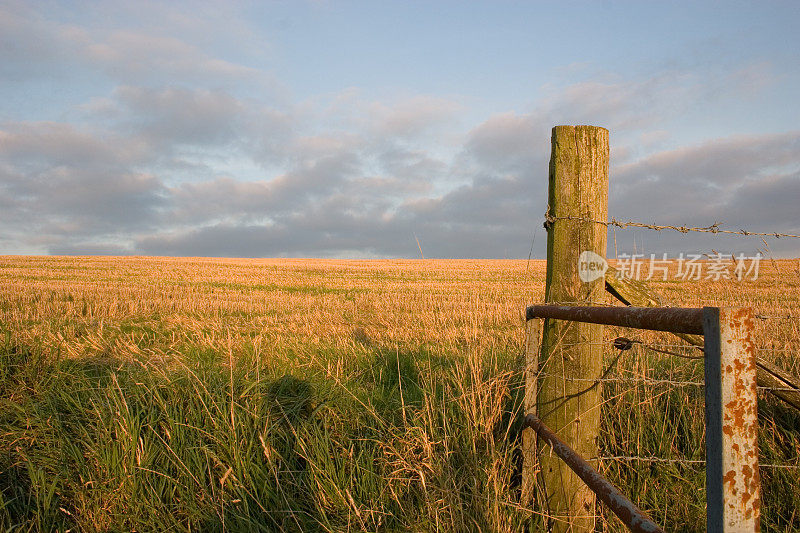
732, 473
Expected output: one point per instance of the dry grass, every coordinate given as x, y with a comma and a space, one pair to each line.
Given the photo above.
394, 387
447, 303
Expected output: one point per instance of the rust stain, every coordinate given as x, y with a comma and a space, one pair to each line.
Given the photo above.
730, 478
741, 481
738, 410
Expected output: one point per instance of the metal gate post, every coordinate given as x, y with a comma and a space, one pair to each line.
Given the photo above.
733, 493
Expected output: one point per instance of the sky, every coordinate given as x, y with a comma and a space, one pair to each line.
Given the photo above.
360, 129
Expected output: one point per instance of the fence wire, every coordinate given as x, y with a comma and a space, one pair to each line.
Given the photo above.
650, 368
713, 228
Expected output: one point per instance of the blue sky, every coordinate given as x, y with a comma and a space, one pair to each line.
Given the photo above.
342, 129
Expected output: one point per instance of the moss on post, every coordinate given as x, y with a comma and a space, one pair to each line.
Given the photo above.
571, 358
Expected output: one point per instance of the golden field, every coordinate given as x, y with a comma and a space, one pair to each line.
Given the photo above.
77, 304
419, 363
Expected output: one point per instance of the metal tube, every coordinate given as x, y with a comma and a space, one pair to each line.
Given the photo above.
672, 319
733, 491
626, 510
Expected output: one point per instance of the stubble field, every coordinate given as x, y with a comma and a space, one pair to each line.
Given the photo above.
141, 394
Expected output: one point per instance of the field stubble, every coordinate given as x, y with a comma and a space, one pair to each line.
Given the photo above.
157, 393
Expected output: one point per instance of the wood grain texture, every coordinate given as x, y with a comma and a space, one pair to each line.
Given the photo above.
571, 355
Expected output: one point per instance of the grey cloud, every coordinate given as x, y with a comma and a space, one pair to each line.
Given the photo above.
181, 116
220, 198
736, 182
509, 142
721, 161
488, 202
70, 184
407, 172
63, 200
229, 199
118, 200
49, 144
331, 234
225, 240
324, 191
171, 119
698, 182
774, 197
89, 248
315, 179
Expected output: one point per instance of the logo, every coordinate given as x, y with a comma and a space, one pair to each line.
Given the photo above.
717, 267
591, 266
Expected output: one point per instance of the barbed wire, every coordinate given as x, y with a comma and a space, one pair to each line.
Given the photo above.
623, 344
648, 381
654, 346
777, 317
670, 460
713, 228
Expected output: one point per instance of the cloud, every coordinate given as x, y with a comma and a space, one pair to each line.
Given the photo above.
67, 183
129, 55
742, 182
65, 202
329, 204
172, 160
775, 198
37, 145
178, 115
78, 187
182, 127
409, 118
700, 182
90, 248
232, 200
34, 45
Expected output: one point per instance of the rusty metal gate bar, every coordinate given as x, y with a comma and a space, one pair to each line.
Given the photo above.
732, 477
672, 319
626, 510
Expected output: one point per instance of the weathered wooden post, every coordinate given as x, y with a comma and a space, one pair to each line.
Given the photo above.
571, 357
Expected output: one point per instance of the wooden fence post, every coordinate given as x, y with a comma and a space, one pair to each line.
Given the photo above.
571, 357
530, 464
733, 491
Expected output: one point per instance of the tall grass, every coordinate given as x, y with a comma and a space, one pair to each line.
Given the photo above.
154, 394
383, 440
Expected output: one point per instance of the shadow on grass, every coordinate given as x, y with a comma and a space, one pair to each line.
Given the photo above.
196, 444
110, 445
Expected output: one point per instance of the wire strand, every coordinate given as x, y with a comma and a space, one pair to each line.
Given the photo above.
713, 228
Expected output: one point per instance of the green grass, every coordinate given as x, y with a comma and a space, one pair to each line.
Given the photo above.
387, 440
382, 441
